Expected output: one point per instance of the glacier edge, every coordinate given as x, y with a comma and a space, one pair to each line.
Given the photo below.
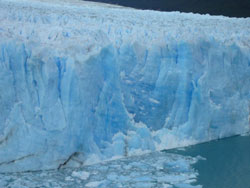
110, 94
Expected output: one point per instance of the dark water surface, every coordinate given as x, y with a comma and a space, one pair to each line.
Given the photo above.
227, 163
231, 8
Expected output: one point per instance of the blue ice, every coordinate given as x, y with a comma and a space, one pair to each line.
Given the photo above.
92, 88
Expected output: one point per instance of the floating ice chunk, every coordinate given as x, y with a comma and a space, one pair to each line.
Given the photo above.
183, 185
94, 184
112, 176
154, 101
81, 175
122, 178
68, 178
143, 179
165, 185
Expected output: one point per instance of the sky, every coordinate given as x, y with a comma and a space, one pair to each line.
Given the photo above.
231, 8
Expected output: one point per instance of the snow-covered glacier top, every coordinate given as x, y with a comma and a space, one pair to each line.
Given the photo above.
54, 22
82, 82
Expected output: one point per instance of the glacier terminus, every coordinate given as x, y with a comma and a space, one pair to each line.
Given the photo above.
83, 82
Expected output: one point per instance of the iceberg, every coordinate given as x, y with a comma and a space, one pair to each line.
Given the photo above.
83, 82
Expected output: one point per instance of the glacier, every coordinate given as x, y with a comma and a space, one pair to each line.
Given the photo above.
83, 82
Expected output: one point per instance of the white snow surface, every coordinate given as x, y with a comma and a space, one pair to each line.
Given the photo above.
67, 21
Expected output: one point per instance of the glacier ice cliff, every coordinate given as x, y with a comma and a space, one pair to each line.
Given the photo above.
82, 82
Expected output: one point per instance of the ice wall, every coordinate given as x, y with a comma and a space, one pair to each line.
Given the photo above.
82, 82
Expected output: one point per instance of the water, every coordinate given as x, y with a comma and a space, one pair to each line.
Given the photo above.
227, 163
217, 164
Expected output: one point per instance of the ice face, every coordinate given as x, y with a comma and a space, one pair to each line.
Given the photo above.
83, 82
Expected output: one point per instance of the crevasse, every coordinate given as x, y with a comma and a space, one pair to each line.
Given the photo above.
83, 82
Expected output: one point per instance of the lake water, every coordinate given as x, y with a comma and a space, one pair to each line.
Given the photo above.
227, 163
218, 164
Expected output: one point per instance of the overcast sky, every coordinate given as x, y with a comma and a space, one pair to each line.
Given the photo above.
232, 8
